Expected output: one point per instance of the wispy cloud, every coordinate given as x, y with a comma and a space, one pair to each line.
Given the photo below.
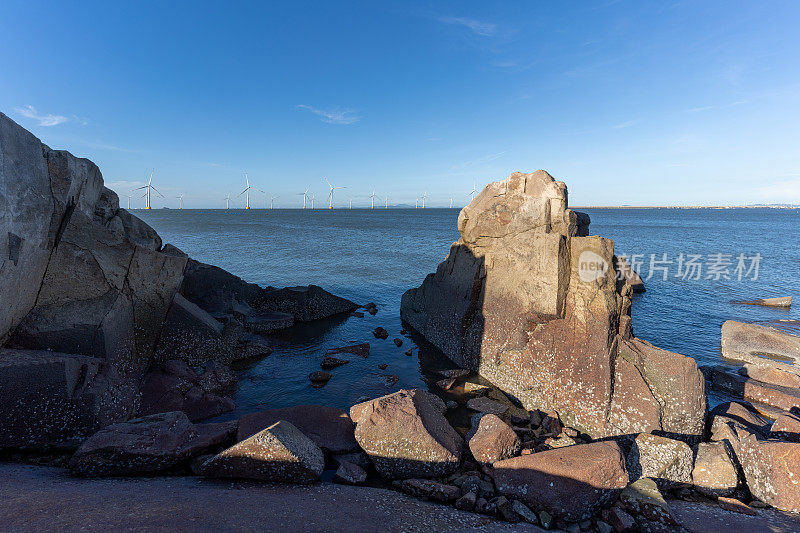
713, 107
484, 29
29, 111
333, 116
626, 124
476, 162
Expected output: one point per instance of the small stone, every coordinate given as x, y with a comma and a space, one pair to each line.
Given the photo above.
619, 519
536, 418
560, 442
642, 497
569, 432
573, 528
319, 378
425, 488
480, 505
390, 379
475, 388
466, 502
380, 333
453, 373
329, 363
372, 311
668, 461
370, 305
506, 510
492, 440
485, 405
383, 366
361, 350
732, 504
786, 427
524, 512
398, 342
603, 527
350, 474
451, 404
545, 519
409, 352
714, 473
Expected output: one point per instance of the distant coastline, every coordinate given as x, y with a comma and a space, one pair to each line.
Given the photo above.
761, 206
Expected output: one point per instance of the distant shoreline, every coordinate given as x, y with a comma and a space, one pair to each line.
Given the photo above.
718, 207
685, 207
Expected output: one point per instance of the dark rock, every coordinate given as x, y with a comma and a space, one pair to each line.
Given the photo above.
329, 363
357, 314
280, 453
524, 512
398, 342
266, 321
306, 303
485, 405
466, 502
362, 350
618, 519
150, 444
406, 435
319, 378
329, 428
732, 504
409, 352
380, 333
357, 458
350, 474
425, 488
571, 482
216, 290
383, 366
446, 383
453, 373
191, 335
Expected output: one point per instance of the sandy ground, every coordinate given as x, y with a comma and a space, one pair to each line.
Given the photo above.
34, 498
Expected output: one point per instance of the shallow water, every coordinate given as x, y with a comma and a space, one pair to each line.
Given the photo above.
376, 255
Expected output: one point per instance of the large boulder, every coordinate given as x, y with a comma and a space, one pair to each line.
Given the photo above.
406, 435
278, 453
730, 419
149, 444
752, 342
531, 303
571, 482
667, 461
328, 427
307, 303
768, 397
772, 470
714, 473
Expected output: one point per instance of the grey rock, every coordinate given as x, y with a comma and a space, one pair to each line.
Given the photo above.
350, 473
668, 461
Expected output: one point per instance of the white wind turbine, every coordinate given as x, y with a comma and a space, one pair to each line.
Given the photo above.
304, 194
313, 197
330, 194
228, 201
247, 191
149, 187
451, 202
424, 196
386, 202
129, 201
180, 199
271, 200
372, 197
351, 202
474, 190
416, 203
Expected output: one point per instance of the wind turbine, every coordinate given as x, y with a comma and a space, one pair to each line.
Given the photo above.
474, 191
129, 201
451, 202
313, 197
247, 191
149, 187
330, 194
180, 199
386, 202
351, 202
372, 197
305, 196
424, 196
228, 201
416, 203
271, 200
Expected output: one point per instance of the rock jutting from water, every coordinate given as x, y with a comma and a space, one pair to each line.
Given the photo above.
98, 315
532, 303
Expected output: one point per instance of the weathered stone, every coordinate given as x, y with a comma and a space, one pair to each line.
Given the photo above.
475, 388
571, 483
216, 291
732, 504
49, 398
492, 440
466, 502
726, 417
446, 383
406, 435
307, 303
759, 344
328, 427
629, 275
772, 470
529, 302
667, 461
278, 453
398, 342
150, 444
786, 427
619, 519
350, 474
319, 378
770, 375
524, 512
266, 321
714, 472
757, 392
425, 488
380, 333
362, 350
191, 335
642, 497
485, 405
781, 301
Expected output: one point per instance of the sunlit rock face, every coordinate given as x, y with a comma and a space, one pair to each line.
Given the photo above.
531, 302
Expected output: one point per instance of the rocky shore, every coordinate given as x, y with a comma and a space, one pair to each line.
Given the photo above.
115, 347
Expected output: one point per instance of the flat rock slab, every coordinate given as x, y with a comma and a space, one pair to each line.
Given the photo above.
330, 428
45, 499
709, 518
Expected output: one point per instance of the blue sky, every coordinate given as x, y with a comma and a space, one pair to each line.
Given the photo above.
628, 102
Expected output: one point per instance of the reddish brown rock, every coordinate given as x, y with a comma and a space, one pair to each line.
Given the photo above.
746, 342
278, 453
630, 275
732, 504
493, 440
406, 435
770, 375
786, 427
758, 392
729, 416
329, 428
642, 498
531, 303
570, 483
667, 461
714, 473
425, 488
772, 470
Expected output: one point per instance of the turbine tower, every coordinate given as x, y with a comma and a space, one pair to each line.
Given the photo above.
386, 202
416, 203
330, 194
148, 188
351, 202
271, 200
228, 201
372, 197
180, 199
247, 191
424, 196
129, 201
474, 191
451, 202
304, 194
313, 197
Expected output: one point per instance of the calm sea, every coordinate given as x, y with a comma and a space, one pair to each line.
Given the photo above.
374, 256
